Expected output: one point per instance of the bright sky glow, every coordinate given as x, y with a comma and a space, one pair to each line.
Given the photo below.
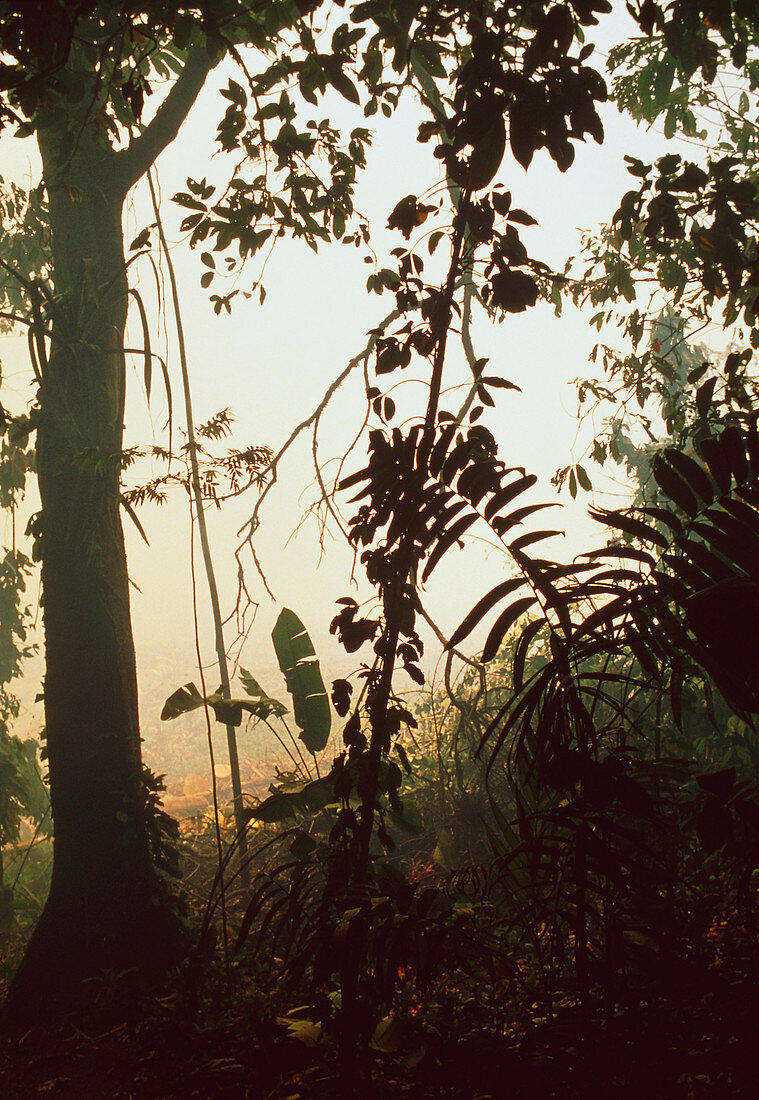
271, 365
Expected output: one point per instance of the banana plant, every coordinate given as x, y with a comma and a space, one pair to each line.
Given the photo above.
300, 666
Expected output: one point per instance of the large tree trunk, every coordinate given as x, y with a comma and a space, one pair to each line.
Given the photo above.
106, 909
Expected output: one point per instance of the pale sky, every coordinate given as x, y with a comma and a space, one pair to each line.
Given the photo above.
271, 364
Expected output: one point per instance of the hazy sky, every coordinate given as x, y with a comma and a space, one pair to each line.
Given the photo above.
271, 364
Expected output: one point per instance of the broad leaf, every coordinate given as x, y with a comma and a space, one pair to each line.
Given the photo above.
297, 659
307, 798
181, 701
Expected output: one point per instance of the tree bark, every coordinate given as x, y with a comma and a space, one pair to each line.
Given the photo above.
106, 909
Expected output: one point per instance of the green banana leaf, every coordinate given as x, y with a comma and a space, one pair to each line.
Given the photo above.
298, 661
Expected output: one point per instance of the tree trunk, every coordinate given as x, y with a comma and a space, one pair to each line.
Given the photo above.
106, 908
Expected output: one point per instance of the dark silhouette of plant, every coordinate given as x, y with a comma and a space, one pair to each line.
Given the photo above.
678, 257
427, 483
673, 599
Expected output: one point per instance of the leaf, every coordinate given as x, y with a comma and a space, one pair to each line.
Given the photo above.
265, 704
445, 853
439, 451
481, 608
630, 525
307, 798
717, 461
521, 216
390, 1035
181, 701
140, 240
447, 540
148, 357
409, 819
341, 696
513, 291
404, 757
308, 1032
676, 693
503, 624
704, 396
541, 580
226, 711
720, 784
632, 553
523, 132
507, 494
302, 845
531, 538
674, 486
404, 215
513, 519
134, 518
487, 153
497, 383
714, 826
297, 660
339, 79
733, 448
521, 650
692, 473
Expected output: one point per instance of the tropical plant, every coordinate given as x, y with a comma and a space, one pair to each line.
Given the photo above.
300, 667
670, 603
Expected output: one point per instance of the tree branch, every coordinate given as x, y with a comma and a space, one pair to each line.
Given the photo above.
143, 151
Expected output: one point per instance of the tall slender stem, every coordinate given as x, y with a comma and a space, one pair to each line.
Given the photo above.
213, 592
406, 557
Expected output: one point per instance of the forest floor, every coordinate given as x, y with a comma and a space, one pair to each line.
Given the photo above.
698, 1040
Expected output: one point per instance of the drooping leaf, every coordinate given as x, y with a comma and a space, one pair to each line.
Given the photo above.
714, 826
513, 291
674, 486
503, 624
676, 693
505, 495
447, 540
341, 696
524, 134
445, 853
521, 650
733, 448
226, 711
630, 525
481, 609
146, 350
181, 701
717, 461
531, 538
487, 153
125, 504
692, 473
